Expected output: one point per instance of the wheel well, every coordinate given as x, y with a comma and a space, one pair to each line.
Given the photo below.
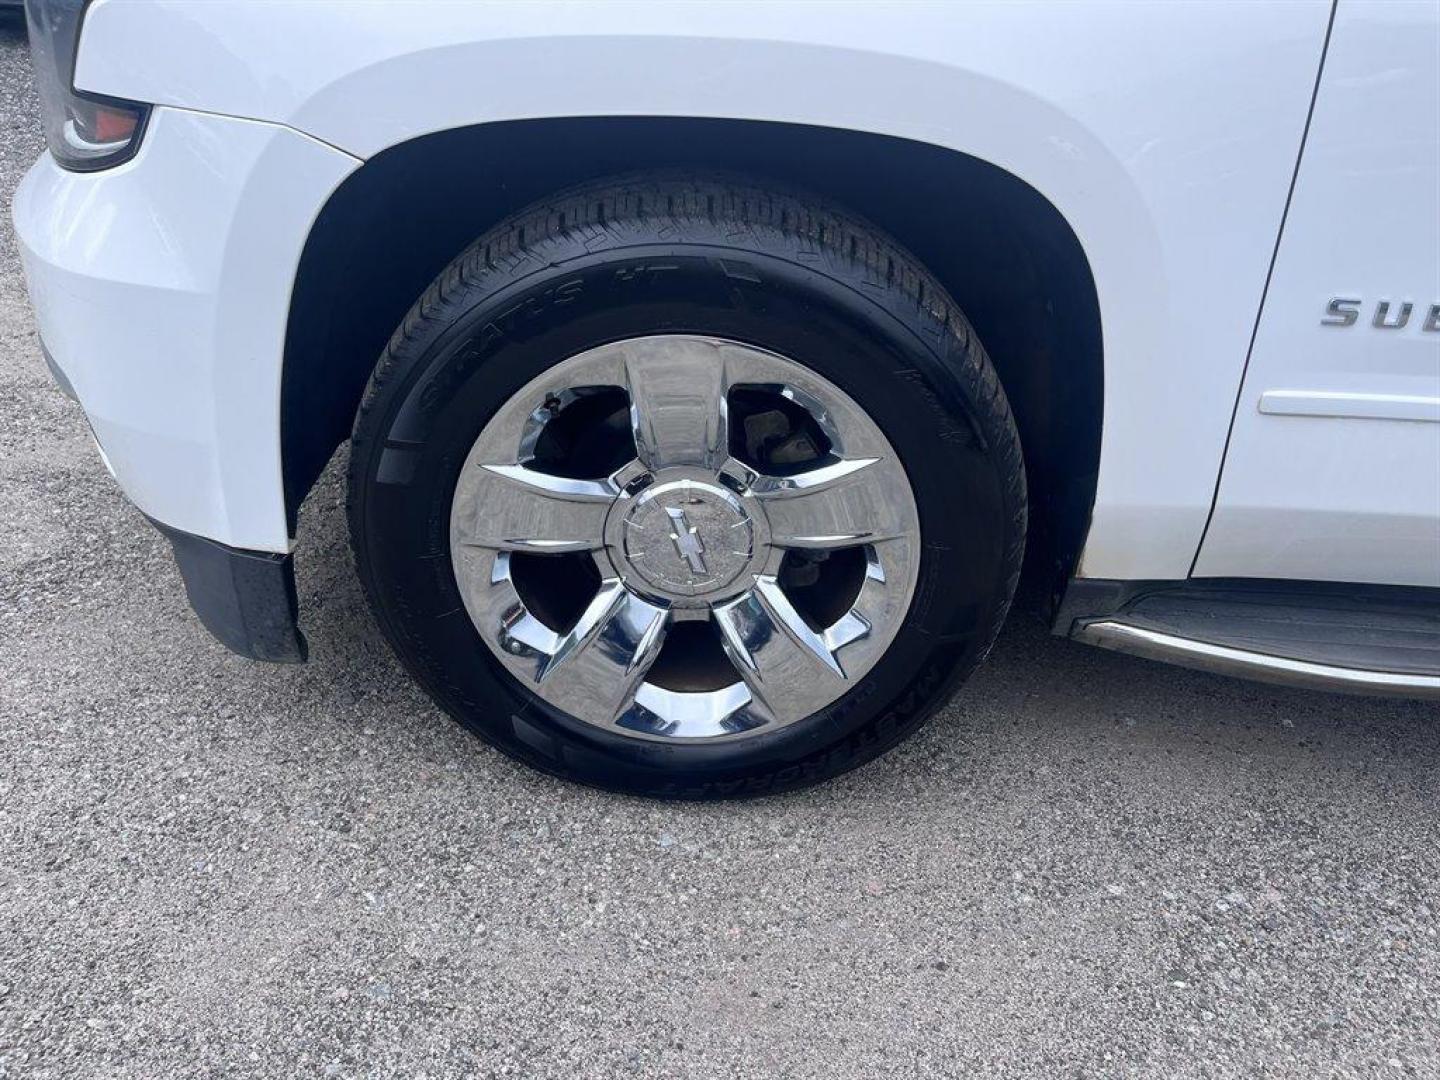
1006, 255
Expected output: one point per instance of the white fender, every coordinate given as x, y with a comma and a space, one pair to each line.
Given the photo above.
1165, 134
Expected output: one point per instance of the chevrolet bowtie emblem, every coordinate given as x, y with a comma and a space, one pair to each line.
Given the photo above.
687, 540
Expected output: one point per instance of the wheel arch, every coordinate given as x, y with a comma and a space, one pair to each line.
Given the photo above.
1007, 255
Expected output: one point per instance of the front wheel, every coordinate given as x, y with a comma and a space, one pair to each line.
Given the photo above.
687, 488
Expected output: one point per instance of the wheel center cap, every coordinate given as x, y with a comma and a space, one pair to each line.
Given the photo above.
687, 538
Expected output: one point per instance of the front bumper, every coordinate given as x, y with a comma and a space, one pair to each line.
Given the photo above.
161, 289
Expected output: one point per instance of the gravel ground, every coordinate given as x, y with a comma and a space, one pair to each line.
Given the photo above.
1087, 864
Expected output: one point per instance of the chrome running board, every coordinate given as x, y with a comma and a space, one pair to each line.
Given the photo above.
1265, 667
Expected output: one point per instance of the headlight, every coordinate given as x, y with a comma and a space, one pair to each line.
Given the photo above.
84, 131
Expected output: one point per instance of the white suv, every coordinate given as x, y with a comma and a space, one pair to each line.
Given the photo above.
711, 371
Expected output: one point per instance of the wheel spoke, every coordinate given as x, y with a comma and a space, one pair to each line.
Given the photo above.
839, 504
515, 508
599, 664
677, 403
678, 714
789, 667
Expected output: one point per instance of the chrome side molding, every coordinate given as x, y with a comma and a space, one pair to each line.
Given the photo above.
1263, 667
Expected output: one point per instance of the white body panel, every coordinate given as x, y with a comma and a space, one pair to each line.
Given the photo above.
161, 288
1165, 134
1333, 471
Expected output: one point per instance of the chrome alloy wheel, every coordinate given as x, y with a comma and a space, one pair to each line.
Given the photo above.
682, 537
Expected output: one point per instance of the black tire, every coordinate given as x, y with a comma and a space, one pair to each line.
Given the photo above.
643, 255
